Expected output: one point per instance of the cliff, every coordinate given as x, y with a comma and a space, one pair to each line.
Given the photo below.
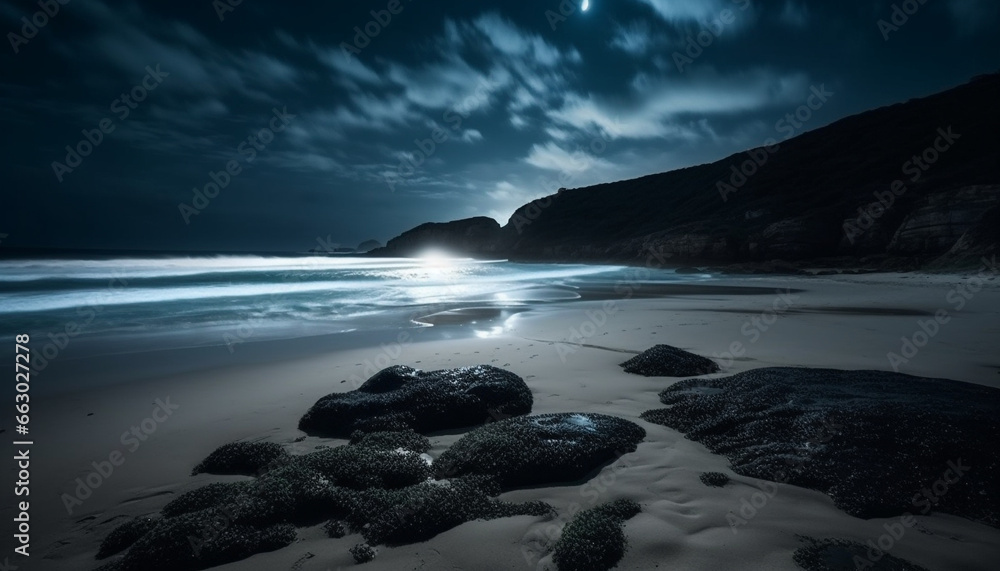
907, 181
479, 237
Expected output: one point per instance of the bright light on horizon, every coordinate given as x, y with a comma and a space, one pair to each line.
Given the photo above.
585, 6
437, 258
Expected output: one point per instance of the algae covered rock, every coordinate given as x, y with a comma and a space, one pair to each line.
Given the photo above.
244, 458
420, 512
200, 540
399, 398
594, 540
363, 553
405, 439
880, 444
714, 479
362, 467
335, 529
210, 496
380, 486
374, 460
123, 536
540, 449
667, 361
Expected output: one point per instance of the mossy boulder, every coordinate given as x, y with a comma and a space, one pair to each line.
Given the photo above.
123, 536
335, 529
401, 397
420, 512
667, 361
594, 539
244, 458
405, 439
365, 466
363, 553
542, 449
210, 496
199, 540
379, 486
871, 440
294, 494
714, 479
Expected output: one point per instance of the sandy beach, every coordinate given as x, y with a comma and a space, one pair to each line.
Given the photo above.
577, 285
569, 355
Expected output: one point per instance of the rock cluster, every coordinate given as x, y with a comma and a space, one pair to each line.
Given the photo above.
382, 485
880, 444
379, 487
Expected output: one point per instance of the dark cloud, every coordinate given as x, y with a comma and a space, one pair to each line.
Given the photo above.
442, 111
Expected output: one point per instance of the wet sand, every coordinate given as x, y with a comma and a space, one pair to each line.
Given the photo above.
568, 353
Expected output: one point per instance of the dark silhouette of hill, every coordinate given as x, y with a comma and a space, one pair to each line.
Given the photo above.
477, 237
799, 201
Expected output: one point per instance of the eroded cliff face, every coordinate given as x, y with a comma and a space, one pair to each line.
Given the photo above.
937, 222
981, 240
859, 189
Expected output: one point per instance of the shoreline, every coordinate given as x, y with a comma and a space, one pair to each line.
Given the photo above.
683, 523
776, 267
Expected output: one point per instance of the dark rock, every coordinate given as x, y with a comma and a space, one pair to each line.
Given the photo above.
235, 521
379, 486
541, 449
197, 541
594, 540
400, 398
405, 439
480, 236
210, 496
844, 555
238, 542
335, 529
667, 361
363, 553
871, 440
714, 479
123, 536
245, 458
686, 270
294, 494
418, 513
362, 467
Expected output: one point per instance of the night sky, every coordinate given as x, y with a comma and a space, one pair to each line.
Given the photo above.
449, 110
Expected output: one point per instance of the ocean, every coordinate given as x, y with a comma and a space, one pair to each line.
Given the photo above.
121, 306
